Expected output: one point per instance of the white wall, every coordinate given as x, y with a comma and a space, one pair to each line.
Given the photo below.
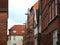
18, 40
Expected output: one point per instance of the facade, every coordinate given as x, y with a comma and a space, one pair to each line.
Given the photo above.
25, 39
50, 10
29, 35
3, 21
15, 36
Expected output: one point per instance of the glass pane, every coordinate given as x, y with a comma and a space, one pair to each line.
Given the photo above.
14, 31
55, 37
14, 43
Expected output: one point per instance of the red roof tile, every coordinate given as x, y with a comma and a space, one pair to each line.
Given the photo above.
36, 5
19, 30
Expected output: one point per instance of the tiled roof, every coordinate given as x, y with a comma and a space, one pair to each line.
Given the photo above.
19, 30
36, 5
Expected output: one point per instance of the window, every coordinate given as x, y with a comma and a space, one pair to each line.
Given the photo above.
22, 31
50, 13
55, 7
9, 38
55, 39
14, 43
53, 10
14, 31
14, 38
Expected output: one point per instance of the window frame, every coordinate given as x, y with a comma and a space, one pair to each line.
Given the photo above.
14, 43
14, 37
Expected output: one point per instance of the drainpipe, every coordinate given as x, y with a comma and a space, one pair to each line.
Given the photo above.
39, 22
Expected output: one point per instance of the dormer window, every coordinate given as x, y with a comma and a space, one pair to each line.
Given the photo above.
23, 31
14, 31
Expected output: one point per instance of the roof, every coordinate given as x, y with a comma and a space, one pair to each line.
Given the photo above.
19, 30
36, 5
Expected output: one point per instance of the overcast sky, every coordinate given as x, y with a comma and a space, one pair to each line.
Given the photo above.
17, 10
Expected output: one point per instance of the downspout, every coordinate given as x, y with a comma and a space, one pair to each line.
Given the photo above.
39, 22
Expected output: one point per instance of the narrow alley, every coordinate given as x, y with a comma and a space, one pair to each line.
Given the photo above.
29, 22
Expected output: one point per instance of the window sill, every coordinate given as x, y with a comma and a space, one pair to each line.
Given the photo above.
52, 20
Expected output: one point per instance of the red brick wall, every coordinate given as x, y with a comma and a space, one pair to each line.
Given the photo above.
3, 28
49, 24
30, 25
4, 4
29, 37
47, 35
59, 22
47, 14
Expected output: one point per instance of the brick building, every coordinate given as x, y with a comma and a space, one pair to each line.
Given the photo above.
18, 28
25, 35
29, 35
30, 31
50, 22
30, 27
3, 21
15, 36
